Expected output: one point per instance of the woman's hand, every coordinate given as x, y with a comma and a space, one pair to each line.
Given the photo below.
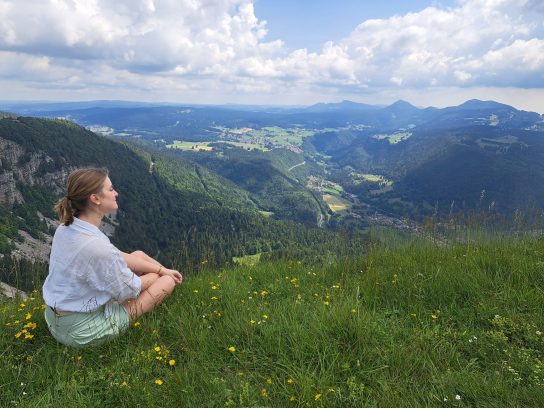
178, 278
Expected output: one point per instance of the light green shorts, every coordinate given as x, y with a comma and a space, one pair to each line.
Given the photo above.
88, 329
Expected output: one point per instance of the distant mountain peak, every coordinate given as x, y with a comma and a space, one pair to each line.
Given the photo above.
479, 104
402, 107
402, 103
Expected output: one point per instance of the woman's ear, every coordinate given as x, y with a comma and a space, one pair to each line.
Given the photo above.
94, 199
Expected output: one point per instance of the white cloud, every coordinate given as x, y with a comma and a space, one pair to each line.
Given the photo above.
219, 47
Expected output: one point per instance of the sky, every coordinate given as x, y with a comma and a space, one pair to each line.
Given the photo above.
274, 52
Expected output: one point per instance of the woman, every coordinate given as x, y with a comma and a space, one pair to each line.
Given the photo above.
93, 290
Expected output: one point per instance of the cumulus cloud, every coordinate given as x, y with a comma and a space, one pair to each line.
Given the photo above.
139, 35
221, 46
466, 45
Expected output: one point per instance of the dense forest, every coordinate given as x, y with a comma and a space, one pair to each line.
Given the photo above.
165, 209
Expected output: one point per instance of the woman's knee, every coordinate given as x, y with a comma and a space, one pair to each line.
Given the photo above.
139, 254
168, 283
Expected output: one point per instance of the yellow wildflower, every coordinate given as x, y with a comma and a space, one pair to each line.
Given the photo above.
317, 397
232, 349
158, 381
172, 362
263, 392
136, 324
292, 398
326, 303
28, 316
30, 325
290, 381
269, 380
157, 349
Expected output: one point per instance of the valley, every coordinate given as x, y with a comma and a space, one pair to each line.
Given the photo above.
337, 167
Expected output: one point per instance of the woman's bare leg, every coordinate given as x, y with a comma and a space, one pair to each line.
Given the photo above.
148, 279
150, 297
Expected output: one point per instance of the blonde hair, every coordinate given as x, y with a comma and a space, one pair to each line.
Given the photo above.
81, 184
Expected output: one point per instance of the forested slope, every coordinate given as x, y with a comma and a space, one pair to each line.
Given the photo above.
161, 212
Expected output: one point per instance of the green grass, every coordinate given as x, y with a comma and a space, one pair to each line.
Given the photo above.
371, 178
408, 325
196, 146
247, 260
394, 138
335, 203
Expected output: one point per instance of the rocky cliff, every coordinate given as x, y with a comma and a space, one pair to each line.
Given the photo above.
19, 168
18, 165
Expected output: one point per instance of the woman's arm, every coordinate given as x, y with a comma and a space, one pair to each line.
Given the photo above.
140, 263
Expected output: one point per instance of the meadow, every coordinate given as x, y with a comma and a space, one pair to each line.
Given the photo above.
335, 203
408, 324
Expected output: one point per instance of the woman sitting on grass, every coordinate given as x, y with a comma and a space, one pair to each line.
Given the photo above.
93, 290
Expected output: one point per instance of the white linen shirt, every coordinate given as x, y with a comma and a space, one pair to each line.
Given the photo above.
86, 270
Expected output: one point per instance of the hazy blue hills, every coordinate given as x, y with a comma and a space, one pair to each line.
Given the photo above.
169, 119
399, 159
340, 107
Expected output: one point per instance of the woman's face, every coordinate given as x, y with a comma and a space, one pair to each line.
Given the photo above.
108, 197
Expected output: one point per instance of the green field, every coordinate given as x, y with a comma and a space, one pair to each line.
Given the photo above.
393, 138
272, 135
282, 136
415, 325
371, 178
196, 146
335, 203
205, 146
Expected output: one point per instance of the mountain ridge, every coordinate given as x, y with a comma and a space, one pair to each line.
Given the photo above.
36, 106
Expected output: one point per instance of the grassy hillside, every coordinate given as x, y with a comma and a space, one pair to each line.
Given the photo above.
412, 325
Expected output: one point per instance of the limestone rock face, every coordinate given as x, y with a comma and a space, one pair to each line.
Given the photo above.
9, 194
17, 165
